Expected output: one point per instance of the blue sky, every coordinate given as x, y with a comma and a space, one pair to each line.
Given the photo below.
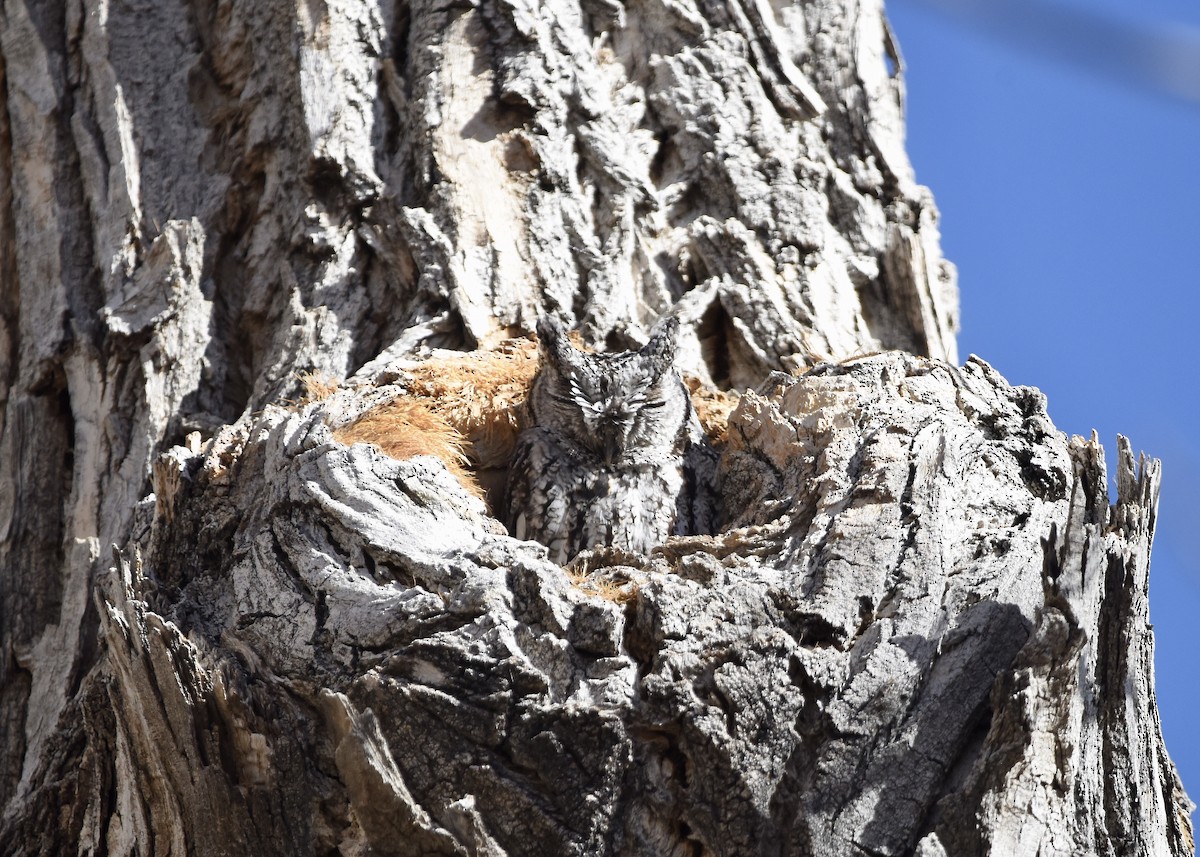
1070, 200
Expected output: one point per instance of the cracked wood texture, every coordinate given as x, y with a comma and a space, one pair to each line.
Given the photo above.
922, 629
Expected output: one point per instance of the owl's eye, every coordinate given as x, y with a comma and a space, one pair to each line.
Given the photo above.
576, 395
580, 400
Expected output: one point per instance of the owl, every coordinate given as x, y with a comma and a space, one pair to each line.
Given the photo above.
615, 456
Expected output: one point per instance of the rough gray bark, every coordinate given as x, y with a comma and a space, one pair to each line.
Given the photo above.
922, 630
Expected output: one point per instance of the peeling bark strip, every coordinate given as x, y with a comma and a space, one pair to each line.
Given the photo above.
922, 631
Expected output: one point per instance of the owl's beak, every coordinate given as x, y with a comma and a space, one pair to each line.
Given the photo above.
613, 447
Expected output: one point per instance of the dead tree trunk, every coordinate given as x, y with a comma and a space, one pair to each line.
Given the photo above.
922, 628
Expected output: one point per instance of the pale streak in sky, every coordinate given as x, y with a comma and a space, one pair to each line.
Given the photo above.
1165, 57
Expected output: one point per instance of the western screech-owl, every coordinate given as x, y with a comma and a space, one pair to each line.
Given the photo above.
615, 456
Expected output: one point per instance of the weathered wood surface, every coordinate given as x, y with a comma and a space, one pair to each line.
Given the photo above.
924, 630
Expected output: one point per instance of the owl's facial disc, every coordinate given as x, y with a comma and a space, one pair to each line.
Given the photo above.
609, 411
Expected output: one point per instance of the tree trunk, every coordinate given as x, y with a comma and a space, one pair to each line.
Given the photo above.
229, 629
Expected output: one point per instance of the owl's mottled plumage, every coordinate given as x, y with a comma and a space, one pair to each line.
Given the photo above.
615, 456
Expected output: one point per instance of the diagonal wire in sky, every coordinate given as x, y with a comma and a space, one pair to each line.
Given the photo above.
1164, 57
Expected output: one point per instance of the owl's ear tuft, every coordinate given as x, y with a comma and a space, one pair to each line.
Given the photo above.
660, 349
552, 340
